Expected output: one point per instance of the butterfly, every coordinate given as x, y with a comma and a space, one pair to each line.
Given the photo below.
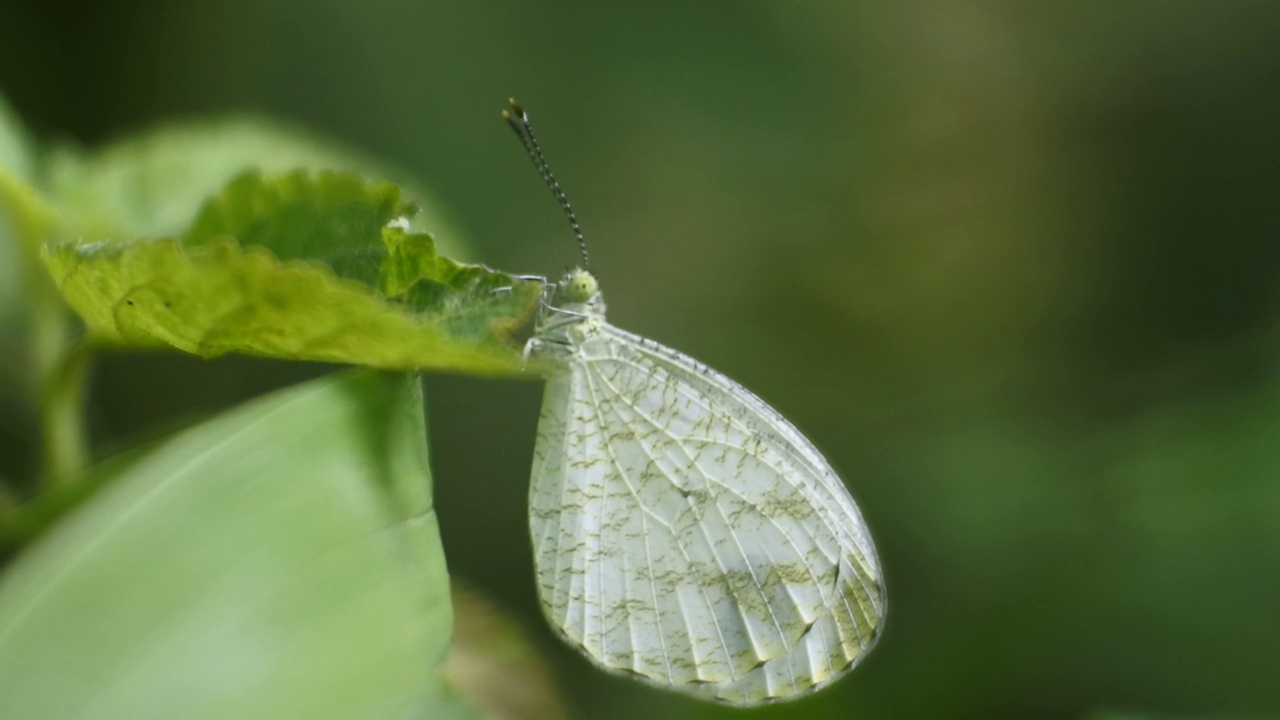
684, 532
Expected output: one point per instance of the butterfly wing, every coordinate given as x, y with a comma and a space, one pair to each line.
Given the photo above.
685, 532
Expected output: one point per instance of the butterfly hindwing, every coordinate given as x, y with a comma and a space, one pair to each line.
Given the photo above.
687, 533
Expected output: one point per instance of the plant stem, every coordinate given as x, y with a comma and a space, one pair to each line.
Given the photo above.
59, 363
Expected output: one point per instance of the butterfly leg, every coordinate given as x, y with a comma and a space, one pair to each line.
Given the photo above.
531, 347
541, 280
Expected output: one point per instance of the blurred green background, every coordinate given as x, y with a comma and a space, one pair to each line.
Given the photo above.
1014, 267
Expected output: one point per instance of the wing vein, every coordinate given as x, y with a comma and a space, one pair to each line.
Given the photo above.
694, 462
675, 537
780, 447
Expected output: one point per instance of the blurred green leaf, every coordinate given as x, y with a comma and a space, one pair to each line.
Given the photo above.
25, 217
22, 523
17, 155
448, 704
495, 664
309, 266
153, 184
281, 560
24, 220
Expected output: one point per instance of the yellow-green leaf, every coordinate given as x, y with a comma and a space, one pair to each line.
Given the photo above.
303, 266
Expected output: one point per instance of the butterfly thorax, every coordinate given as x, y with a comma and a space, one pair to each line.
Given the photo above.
572, 311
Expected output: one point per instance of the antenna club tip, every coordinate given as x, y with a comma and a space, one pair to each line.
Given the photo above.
513, 123
519, 110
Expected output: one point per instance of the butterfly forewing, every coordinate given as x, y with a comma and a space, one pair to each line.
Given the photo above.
686, 532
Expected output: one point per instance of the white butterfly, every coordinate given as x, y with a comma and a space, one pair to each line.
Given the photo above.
683, 530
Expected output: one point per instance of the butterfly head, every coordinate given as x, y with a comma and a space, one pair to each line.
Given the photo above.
575, 298
572, 309
578, 286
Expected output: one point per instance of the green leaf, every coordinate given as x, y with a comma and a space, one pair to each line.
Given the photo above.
24, 222
17, 154
303, 266
281, 560
25, 217
495, 665
153, 184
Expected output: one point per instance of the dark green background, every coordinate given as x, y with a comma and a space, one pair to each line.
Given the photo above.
1014, 266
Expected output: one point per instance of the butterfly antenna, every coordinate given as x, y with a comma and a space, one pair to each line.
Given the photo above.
518, 119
